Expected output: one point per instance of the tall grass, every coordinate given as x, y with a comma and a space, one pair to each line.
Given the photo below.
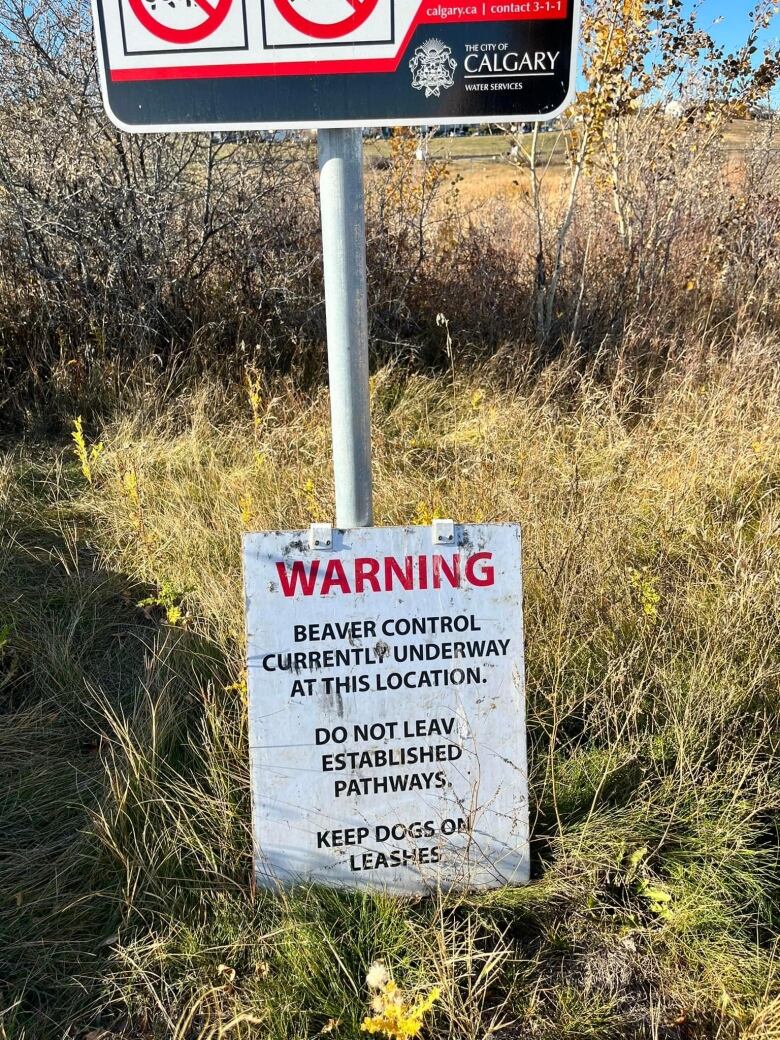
651, 523
125, 260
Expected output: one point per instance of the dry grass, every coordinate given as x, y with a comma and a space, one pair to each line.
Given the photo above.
651, 530
169, 289
185, 256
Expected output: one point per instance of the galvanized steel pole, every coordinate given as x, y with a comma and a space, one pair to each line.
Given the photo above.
346, 303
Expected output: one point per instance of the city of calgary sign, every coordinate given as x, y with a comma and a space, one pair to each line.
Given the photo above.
254, 64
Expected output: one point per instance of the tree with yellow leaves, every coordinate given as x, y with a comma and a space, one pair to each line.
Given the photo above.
637, 56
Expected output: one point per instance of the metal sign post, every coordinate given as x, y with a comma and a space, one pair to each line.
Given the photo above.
346, 305
385, 665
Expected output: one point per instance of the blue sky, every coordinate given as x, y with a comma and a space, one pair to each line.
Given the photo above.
734, 21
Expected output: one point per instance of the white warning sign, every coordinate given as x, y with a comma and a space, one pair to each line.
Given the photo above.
387, 715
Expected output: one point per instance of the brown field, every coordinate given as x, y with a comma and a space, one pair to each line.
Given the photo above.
481, 169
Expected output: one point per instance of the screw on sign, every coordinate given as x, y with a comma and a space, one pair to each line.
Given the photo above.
326, 19
181, 21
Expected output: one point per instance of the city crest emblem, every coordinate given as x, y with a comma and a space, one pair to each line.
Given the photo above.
433, 68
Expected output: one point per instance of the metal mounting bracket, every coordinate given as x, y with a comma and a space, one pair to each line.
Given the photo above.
443, 532
321, 537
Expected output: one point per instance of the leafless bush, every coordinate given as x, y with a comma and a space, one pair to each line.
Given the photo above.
122, 255
693, 267
116, 248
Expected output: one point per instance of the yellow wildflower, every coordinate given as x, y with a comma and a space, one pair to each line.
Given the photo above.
88, 457
645, 585
395, 1016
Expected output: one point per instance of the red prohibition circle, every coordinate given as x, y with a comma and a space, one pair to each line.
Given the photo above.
328, 31
215, 16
